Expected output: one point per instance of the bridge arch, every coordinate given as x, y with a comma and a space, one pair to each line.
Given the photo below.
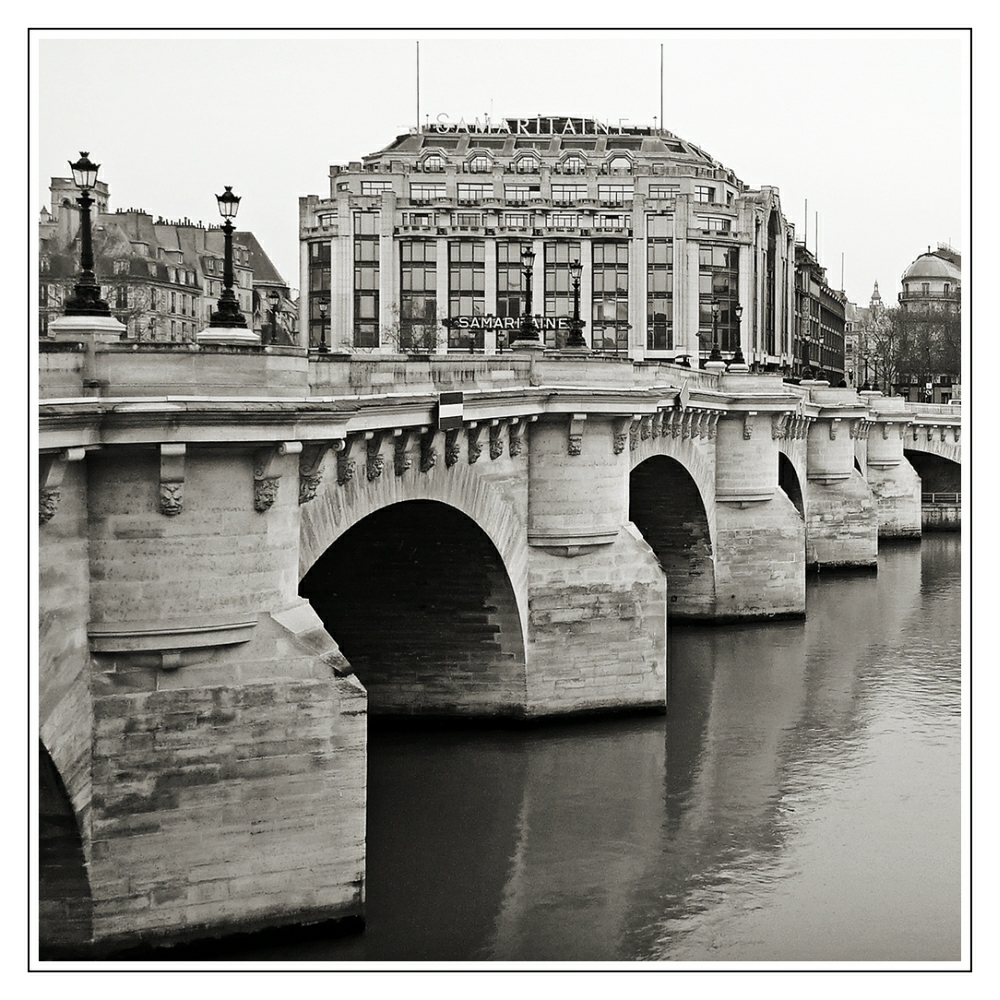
65, 904
420, 579
939, 473
667, 506
790, 482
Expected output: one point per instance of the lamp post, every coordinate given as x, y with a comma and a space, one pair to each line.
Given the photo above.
716, 354
529, 332
86, 300
738, 359
228, 315
323, 306
867, 386
274, 298
575, 341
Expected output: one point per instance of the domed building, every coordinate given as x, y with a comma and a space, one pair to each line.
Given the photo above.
930, 334
432, 243
933, 282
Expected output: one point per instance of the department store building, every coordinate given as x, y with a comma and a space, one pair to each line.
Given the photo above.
418, 247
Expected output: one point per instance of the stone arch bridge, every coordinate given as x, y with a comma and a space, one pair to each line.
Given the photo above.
242, 551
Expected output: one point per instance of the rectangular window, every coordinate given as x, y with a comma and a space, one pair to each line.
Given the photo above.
566, 194
510, 281
615, 194
564, 219
375, 187
660, 294
419, 219
466, 290
712, 222
609, 305
718, 281
366, 279
521, 193
558, 286
474, 192
512, 221
704, 194
613, 221
468, 219
664, 192
426, 190
418, 294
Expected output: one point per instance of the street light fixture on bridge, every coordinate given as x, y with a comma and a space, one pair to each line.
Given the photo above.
716, 354
575, 341
86, 300
737, 358
228, 315
323, 306
528, 334
274, 298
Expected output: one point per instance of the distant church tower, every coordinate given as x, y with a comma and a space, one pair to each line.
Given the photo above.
875, 303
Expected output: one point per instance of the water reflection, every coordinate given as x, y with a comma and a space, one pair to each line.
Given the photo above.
799, 802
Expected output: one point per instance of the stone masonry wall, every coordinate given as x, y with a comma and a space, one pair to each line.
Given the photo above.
896, 490
228, 794
597, 629
759, 569
63, 655
841, 523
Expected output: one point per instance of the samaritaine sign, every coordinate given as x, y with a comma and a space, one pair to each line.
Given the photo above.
539, 125
505, 322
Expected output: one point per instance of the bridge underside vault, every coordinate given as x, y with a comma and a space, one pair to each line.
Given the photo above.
937, 474
419, 601
666, 506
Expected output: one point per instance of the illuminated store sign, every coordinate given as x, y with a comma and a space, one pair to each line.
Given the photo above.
539, 125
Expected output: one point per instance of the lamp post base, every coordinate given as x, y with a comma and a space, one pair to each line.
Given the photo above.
229, 335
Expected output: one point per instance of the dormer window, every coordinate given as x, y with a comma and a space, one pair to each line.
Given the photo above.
479, 164
620, 165
433, 164
573, 165
527, 165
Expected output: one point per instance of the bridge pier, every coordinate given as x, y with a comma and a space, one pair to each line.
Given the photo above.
894, 483
596, 592
227, 737
841, 521
759, 538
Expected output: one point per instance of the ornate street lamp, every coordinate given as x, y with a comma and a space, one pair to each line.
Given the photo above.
274, 298
575, 340
716, 354
228, 315
738, 356
323, 306
528, 328
86, 300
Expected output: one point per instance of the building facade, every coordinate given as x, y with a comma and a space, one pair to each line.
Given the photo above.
418, 248
930, 327
820, 320
161, 279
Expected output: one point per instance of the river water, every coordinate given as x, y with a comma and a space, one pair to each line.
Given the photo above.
800, 801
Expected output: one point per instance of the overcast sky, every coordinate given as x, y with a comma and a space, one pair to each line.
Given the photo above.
871, 128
